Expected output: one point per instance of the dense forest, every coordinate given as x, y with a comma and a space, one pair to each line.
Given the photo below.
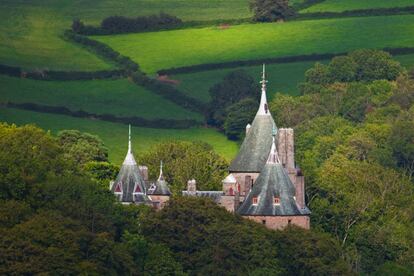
354, 127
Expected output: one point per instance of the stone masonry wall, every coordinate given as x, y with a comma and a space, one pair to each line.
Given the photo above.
280, 222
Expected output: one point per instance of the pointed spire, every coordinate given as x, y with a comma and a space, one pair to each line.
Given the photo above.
129, 158
273, 155
161, 177
263, 108
129, 140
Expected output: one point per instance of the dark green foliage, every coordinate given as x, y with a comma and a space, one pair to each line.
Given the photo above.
82, 147
238, 116
360, 65
270, 10
102, 172
235, 86
209, 241
121, 24
184, 161
77, 26
27, 155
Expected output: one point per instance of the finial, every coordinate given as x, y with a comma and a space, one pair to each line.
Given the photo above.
129, 140
274, 131
263, 81
161, 177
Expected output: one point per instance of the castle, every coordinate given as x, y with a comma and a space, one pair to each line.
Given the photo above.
263, 183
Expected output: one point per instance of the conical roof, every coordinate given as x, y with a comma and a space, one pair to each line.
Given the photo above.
160, 187
273, 193
255, 147
129, 185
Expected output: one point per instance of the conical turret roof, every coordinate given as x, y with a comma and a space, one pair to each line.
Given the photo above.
255, 147
129, 185
160, 187
273, 193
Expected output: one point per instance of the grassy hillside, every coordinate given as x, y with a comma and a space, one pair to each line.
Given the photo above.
115, 135
30, 31
117, 97
158, 50
348, 5
30, 38
282, 78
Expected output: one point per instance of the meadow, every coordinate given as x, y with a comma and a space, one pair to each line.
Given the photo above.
118, 97
349, 5
31, 31
167, 49
283, 77
115, 136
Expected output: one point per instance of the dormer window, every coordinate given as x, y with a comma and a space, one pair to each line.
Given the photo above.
152, 188
255, 200
118, 188
276, 200
137, 189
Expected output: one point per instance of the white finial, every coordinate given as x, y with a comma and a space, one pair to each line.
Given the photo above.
129, 159
263, 108
129, 140
161, 177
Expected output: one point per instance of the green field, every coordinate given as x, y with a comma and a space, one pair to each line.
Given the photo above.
30, 31
117, 97
160, 50
115, 136
406, 60
348, 5
31, 38
282, 78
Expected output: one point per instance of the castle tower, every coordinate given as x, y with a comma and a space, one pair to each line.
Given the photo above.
129, 186
255, 147
272, 199
159, 192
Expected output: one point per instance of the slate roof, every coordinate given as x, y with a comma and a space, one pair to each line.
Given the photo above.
272, 182
129, 185
255, 147
160, 187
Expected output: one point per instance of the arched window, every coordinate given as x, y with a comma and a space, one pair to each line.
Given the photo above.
231, 191
238, 188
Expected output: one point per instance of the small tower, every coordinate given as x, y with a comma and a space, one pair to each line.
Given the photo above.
159, 192
129, 186
272, 200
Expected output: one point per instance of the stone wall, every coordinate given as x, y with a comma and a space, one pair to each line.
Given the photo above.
159, 201
242, 178
280, 222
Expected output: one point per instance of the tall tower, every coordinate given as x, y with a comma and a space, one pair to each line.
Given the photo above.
255, 147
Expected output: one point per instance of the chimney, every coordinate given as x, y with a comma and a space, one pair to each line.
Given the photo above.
144, 172
192, 187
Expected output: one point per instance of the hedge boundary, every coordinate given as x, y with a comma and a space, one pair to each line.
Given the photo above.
49, 75
288, 59
356, 13
135, 121
138, 77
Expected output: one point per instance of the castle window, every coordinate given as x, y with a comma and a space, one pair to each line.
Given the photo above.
289, 221
238, 188
118, 188
276, 200
264, 222
231, 191
255, 200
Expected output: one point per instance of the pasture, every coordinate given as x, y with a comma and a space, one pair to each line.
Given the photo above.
117, 97
115, 136
282, 78
349, 5
167, 49
30, 31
